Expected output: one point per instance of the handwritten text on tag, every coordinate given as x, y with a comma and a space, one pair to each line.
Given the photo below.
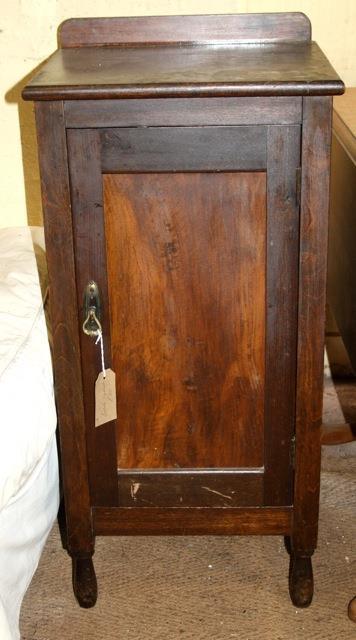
105, 398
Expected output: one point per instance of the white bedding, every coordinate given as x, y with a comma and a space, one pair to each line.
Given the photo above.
28, 461
25, 523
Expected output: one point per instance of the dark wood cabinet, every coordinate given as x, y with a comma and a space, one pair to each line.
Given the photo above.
185, 168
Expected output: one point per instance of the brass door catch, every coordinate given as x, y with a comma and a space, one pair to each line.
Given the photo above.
92, 310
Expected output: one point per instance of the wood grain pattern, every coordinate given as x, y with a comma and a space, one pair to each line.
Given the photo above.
183, 149
288, 69
186, 273
64, 324
190, 488
148, 30
283, 158
204, 521
311, 319
90, 262
183, 112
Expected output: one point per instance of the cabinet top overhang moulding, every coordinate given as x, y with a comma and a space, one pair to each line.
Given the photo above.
267, 54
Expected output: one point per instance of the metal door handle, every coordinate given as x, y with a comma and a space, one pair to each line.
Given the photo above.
92, 310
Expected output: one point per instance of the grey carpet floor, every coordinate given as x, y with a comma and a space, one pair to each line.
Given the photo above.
202, 588
208, 588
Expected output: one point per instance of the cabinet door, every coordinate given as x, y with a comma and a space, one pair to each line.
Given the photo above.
192, 236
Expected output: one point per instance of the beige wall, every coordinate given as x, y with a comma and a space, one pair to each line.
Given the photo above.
28, 36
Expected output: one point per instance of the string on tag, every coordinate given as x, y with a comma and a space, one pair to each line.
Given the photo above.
100, 339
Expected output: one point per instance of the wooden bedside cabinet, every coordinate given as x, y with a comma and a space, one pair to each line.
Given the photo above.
185, 171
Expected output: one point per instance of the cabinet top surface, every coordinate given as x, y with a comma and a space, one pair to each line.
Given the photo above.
240, 55
268, 69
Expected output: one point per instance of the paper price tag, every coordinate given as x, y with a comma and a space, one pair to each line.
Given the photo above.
105, 398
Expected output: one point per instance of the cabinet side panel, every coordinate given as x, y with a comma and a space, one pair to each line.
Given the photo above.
186, 276
64, 323
311, 318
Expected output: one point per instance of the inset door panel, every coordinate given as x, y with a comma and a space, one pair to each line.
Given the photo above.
186, 256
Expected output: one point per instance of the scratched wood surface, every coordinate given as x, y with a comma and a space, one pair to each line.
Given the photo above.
191, 488
186, 275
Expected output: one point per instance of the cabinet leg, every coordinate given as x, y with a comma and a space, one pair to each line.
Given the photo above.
301, 584
84, 581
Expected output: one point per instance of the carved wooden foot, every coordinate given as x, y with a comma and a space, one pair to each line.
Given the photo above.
301, 584
84, 582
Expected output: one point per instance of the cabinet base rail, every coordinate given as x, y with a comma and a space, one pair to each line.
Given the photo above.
192, 521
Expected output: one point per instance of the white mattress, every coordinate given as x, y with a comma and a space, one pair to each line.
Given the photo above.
29, 492
25, 523
28, 417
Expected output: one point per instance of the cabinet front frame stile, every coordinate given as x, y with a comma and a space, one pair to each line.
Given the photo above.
90, 258
316, 142
53, 161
